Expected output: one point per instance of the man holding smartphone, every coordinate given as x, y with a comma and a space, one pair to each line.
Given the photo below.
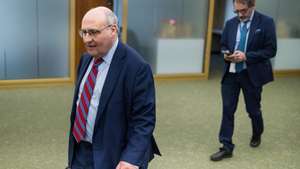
248, 43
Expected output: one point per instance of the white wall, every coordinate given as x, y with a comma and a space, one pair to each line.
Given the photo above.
179, 55
287, 55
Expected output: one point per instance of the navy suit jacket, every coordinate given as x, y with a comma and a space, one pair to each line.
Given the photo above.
261, 46
126, 114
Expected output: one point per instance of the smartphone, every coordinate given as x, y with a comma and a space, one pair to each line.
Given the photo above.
226, 52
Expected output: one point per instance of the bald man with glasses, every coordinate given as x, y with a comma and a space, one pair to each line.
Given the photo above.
113, 111
248, 43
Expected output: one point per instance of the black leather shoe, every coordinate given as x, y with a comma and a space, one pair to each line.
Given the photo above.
255, 141
223, 153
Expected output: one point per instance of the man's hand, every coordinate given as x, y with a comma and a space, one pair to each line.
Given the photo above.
126, 165
239, 56
228, 57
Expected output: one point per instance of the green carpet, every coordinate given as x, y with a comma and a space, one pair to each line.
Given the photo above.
34, 125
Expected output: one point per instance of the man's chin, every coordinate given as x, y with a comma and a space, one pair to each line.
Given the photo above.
92, 53
243, 19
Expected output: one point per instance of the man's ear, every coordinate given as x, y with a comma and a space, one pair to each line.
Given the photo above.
114, 29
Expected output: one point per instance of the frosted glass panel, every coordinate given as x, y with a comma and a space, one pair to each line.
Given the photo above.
118, 10
53, 38
2, 61
34, 39
2, 65
265, 7
157, 27
19, 25
286, 15
141, 30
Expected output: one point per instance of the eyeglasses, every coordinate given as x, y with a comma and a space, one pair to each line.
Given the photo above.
92, 32
243, 11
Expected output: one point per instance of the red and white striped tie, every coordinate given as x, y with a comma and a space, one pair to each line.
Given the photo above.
79, 128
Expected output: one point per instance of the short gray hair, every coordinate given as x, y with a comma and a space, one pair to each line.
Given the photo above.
111, 18
249, 3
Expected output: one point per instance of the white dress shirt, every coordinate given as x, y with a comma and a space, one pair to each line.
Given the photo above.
237, 41
95, 99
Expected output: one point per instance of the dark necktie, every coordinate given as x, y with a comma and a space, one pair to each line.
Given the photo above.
79, 128
242, 45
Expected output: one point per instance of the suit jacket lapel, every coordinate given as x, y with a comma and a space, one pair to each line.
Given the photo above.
111, 79
82, 71
234, 29
83, 67
254, 25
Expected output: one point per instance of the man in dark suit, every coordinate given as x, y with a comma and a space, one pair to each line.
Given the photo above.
113, 112
248, 42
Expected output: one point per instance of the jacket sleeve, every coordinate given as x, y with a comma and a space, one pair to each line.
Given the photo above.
224, 40
141, 118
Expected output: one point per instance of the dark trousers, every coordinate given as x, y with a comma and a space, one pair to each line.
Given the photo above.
83, 156
231, 87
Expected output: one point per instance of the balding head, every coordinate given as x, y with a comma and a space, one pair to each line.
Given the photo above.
99, 31
101, 15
